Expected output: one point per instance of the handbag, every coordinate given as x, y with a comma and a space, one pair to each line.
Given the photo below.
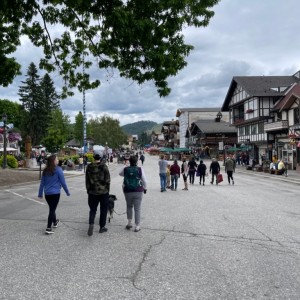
219, 177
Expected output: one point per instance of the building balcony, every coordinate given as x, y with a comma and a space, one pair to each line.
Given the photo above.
277, 126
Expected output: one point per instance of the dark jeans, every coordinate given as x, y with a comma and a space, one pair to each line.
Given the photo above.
192, 176
202, 178
93, 201
229, 176
52, 201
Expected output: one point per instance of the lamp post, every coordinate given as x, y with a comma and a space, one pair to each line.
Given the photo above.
4, 119
224, 153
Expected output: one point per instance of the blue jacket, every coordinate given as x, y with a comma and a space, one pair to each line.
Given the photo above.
52, 184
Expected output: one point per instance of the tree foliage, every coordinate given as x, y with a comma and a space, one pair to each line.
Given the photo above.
142, 39
60, 122
54, 140
138, 127
107, 131
12, 110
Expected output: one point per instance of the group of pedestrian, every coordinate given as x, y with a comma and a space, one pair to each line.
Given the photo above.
97, 181
189, 170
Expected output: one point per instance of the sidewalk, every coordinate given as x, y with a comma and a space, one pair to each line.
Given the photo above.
293, 175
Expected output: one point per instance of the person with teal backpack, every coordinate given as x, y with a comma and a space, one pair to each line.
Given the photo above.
134, 186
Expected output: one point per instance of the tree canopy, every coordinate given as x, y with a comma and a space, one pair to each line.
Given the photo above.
142, 39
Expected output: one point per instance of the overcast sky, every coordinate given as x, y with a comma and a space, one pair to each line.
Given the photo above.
244, 38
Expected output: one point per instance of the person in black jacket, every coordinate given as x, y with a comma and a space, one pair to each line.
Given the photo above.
214, 170
201, 172
192, 165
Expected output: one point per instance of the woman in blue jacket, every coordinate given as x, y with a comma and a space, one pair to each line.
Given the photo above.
52, 181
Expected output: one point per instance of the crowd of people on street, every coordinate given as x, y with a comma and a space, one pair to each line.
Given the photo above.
97, 182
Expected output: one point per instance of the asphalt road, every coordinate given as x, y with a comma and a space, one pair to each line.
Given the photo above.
211, 242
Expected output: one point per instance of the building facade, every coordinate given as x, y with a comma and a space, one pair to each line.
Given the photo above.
186, 116
256, 108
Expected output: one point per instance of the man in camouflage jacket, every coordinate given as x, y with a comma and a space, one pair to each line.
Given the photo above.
97, 182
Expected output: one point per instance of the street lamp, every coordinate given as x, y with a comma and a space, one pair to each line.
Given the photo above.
219, 116
4, 119
224, 151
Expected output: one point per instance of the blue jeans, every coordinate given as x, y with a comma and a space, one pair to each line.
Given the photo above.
163, 181
174, 180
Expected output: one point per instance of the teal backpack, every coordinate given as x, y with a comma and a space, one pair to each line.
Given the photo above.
132, 178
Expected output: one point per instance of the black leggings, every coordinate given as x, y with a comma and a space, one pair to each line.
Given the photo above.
229, 176
52, 201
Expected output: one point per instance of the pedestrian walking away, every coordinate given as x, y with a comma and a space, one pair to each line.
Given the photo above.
134, 186
184, 172
97, 182
163, 173
230, 168
201, 172
51, 182
192, 165
175, 174
142, 158
80, 160
214, 169
168, 174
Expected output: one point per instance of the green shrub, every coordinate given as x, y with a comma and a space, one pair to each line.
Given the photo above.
11, 161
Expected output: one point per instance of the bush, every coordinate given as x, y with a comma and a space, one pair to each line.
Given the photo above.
11, 161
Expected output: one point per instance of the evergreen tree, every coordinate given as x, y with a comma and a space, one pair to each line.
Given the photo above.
38, 99
31, 97
78, 128
49, 95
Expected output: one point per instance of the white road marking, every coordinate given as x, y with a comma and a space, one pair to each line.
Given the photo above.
9, 191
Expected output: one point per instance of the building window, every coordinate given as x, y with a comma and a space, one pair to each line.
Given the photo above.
254, 129
296, 116
247, 130
241, 131
260, 127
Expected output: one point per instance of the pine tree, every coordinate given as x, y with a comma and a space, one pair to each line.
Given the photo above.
38, 99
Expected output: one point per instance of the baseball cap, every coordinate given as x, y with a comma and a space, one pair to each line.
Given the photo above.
98, 155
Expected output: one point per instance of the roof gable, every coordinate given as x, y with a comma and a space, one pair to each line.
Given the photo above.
211, 126
260, 86
288, 100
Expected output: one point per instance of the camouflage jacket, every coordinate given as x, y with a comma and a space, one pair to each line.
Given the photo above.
97, 179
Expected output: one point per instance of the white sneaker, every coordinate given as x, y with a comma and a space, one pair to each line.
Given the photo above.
137, 229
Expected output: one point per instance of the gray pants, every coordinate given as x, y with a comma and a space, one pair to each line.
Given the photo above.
134, 200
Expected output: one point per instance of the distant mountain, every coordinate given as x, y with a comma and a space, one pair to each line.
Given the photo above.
138, 127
